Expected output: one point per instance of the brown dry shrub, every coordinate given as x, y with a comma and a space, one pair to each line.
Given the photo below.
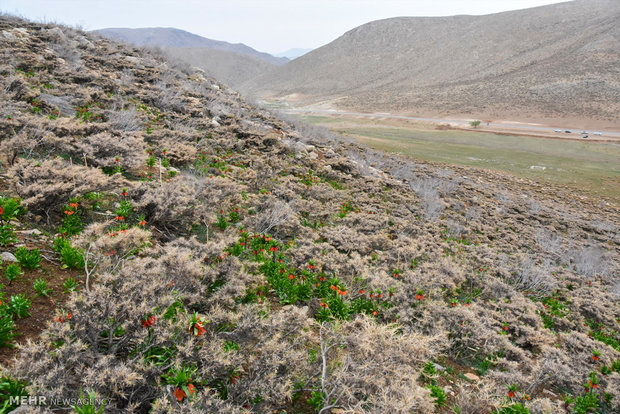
103, 149
371, 368
176, 205
49, 184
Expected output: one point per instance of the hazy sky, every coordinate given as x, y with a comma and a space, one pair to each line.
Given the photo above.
267, 25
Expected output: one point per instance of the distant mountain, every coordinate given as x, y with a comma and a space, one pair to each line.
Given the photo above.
555, 61
169, 37
230, 68
293, 53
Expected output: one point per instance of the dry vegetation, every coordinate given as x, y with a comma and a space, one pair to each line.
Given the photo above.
232, 262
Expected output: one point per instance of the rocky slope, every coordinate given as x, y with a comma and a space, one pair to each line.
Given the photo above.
234, 262
553, 61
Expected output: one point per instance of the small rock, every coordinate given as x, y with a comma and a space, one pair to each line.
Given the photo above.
33, 232
471, 377
438, 367
8, 257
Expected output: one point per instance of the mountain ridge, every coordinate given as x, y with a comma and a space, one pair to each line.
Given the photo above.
170, 37
547, 60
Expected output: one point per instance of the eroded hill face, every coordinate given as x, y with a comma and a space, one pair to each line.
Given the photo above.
554, 61
235, 262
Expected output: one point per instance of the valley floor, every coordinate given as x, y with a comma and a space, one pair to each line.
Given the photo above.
591, 168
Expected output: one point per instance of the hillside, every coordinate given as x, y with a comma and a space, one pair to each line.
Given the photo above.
232, 64
553, 61
174, 38
168, 247
230, 68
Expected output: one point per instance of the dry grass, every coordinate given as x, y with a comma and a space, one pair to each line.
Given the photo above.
360, 284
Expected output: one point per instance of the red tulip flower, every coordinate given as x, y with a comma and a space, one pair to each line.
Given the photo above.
149, 322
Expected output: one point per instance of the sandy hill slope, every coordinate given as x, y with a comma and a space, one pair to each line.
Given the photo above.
181, 250
556, 60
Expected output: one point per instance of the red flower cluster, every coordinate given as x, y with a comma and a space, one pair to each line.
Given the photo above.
337, 289
197, 328
64, 318
180, 394
149, 322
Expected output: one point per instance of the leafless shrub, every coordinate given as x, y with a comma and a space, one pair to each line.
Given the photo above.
548, 241
25, 144
176, 205
362, 164
125, 120
65, 49
104, 346
357, 373
62, 103
534, 278
605, 227
127, 78
428, 192
402, 169
472, 214
169, 97
590, 262
615, 289
534, 206
272, 215
426, 188
308, 133
504, 199
455, 229
105, 253
47, 185
471, 401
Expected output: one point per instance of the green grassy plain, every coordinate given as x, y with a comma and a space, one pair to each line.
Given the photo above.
592, 168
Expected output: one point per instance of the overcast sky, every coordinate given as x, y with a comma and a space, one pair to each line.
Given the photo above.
271, 26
